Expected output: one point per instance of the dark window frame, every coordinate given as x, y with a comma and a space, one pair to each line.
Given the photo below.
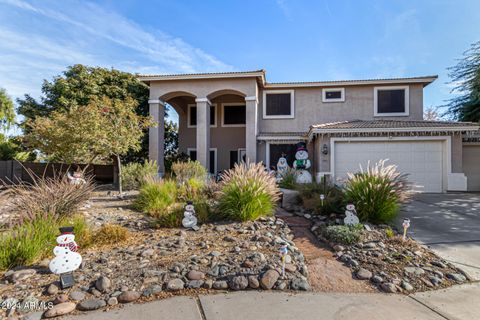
233, 104
406, 102
292, 104
189, 115
326, 99
212, 161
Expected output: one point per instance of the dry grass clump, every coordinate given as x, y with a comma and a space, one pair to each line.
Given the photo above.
110, 234
55, 197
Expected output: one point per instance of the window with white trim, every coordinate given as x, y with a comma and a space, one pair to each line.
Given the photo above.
234, 114
278, 104
333, 95
192, 116
391, 101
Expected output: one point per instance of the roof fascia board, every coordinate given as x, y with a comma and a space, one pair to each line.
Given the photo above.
426, 81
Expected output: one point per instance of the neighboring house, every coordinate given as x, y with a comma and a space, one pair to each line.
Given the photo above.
227, 117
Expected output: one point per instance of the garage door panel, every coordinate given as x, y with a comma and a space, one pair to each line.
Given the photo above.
422, 161
471, 166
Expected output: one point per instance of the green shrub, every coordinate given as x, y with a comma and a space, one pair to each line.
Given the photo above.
156, 196
35, 239
247, 192
171, 218
333, 202
134, 174
288, 180
55, 197
377, 192
184, 171
190, 189
389, 233
344, 234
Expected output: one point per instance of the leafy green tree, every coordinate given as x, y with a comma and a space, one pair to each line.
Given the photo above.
78, 86
466, 77
12, 149
7, 112
102, 129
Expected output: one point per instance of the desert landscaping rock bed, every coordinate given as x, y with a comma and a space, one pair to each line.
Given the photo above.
156, 263
390, 264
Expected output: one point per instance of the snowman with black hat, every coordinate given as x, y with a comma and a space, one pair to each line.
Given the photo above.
67, 259
302, 164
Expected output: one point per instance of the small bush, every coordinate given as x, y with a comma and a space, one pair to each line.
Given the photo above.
190, 189
344, 234
184, 171
247, 192
156, 196
377, 192
289, 179
171, 218
333, 202
35, 239
389, 233
134, 174
110, 234
55, 197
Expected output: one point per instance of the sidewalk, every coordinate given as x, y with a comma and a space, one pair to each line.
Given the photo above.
456, 303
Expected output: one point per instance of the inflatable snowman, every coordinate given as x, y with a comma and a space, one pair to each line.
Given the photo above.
189, 220
350, 216
301, 164
282, 167
67, 259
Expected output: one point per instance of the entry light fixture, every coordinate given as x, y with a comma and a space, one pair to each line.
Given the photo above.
325, 149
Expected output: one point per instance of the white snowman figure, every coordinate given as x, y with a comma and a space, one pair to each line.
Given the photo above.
189, 220
282, 167
302, 163
67, 259
351, 216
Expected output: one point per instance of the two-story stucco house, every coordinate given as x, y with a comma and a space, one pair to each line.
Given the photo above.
227, 117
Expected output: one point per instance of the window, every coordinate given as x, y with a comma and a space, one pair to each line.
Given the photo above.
278, 104
233, 114
192, 153
391, 101
192, 116
237, 156
333, 95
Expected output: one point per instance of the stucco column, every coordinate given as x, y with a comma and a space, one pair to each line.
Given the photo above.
156, 135
203, 131
251, 128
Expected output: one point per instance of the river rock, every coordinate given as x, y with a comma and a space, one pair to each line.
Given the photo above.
299, 284
128, 296
175, 285
91, 304
268, 279
77, 295
364, 274
60, 310
103, 284
195, 275
220, 285
239, 283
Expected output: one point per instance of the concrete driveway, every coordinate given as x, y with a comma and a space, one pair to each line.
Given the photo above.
450, 225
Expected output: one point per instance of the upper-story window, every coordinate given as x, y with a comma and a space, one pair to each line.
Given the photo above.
391, 101
278, 104
192, 116
233, 114
333, 94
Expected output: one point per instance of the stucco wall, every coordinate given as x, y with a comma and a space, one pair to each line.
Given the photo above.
358, 105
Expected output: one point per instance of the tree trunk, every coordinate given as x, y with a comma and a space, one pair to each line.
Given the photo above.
119, 164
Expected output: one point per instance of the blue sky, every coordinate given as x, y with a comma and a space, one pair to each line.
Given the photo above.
294, 40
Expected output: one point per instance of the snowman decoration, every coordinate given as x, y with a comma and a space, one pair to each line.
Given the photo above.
282, 167
351, 216
189, 220
67, 259
302, 163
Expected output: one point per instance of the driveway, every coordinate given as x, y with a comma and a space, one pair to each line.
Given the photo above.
450, 225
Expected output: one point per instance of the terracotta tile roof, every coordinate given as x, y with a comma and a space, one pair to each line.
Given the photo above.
392, 124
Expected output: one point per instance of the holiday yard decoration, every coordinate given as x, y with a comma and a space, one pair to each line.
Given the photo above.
189, 220
283, 253
282, 167
302, 163
406, 225
351, 215
67, 259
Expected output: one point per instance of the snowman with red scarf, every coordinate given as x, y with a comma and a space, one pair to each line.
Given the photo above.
67, 259
302, 163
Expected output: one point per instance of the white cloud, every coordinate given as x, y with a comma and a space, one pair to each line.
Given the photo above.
39, 39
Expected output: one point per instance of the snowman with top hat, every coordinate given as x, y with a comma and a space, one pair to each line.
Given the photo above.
67, 259
302, 164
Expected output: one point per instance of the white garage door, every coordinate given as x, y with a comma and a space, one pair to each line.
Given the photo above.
471, 166
422, 160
